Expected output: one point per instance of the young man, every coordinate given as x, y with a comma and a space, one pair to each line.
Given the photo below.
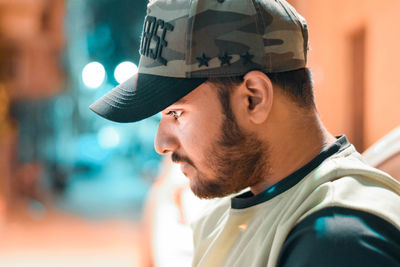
230, 79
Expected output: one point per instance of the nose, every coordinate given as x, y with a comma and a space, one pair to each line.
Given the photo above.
165, 141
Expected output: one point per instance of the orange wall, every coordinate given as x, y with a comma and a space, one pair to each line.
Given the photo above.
331, 23
31, 32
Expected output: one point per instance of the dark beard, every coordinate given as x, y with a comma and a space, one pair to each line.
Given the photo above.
238, 160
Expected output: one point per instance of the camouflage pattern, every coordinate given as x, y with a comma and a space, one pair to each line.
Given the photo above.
197, 39
217, 38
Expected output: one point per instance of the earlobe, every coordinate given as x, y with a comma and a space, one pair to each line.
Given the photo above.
260, 96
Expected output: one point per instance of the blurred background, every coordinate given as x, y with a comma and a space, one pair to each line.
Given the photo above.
73, 186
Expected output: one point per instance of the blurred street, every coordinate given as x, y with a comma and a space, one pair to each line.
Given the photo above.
60, 240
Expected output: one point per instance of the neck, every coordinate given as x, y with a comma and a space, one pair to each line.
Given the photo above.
293, 142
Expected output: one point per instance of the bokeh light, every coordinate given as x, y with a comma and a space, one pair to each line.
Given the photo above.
93, 74
124, 71
109, 137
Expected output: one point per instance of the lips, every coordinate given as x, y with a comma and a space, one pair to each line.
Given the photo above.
176, 158
185, 168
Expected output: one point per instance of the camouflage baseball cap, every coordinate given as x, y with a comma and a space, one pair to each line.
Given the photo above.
185, 42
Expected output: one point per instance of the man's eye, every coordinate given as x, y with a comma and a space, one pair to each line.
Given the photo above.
175, 113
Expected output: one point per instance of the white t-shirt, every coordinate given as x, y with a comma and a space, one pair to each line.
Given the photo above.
249, 231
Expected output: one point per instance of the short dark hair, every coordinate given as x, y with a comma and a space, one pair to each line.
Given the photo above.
296, 84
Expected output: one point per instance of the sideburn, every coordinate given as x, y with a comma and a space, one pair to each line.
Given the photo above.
241, 160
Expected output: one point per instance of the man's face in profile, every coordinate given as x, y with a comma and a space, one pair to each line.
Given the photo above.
216, 155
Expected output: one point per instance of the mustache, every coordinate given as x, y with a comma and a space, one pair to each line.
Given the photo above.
176, 158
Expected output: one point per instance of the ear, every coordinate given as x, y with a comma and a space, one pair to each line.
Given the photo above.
258, 93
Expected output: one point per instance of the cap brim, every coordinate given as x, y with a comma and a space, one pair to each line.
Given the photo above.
142, 96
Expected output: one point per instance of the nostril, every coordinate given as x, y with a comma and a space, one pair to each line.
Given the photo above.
164, 145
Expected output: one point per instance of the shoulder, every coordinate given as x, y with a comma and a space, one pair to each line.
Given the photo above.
342, 237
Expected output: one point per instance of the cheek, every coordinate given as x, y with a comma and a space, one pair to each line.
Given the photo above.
199, 134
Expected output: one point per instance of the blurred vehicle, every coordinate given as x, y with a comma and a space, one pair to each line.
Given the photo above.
385, 154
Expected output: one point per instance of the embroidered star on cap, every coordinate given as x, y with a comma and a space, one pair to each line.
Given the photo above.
203, 60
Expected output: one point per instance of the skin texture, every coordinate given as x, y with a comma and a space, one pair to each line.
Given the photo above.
256, 141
